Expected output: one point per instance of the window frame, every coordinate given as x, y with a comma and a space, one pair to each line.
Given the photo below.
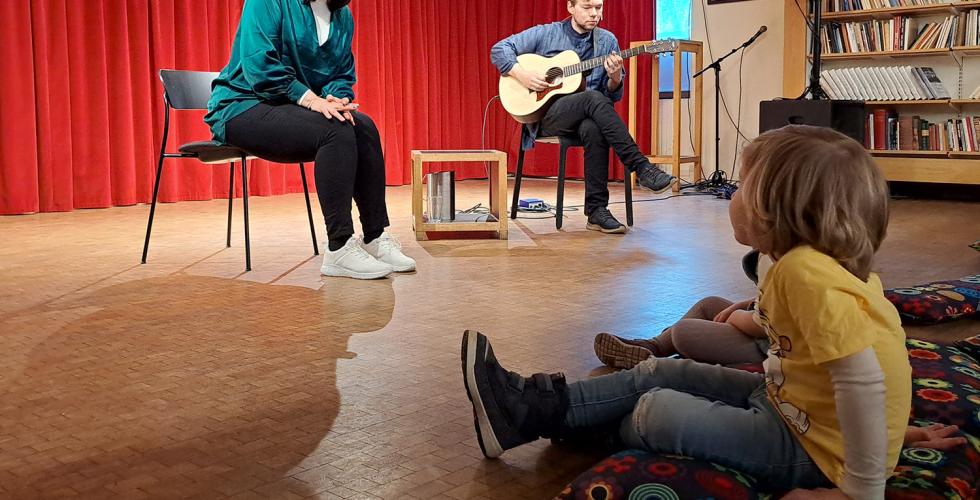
667, 92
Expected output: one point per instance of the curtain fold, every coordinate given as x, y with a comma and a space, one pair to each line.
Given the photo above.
18, 124
81, 115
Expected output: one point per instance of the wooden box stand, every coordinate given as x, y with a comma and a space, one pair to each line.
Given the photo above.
674, 159
498, 191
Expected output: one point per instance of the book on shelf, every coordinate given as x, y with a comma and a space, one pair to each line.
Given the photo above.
884, 83
975, 94
886, 130
851, 5
936, 87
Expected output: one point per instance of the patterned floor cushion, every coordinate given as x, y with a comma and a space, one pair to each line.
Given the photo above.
946, 388
970, 345
937, 301
638, 475
945, 385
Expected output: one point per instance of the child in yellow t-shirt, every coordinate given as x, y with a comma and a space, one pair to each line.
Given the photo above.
830, 411
837, 369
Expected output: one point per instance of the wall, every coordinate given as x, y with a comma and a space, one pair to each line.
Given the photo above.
728, 26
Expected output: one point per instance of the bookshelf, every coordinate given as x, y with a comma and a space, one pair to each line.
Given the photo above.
967, 50
959, 76
924, 154
896, 54
924, 102
963, 170
956, 104
886, 54
919, 10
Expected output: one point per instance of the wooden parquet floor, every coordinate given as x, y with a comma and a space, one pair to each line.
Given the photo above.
188, 378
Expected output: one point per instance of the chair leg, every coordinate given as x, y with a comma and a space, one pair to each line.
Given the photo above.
309, 209
559, 209
231, 197
629, 197
248, 242
517, 183
153, 207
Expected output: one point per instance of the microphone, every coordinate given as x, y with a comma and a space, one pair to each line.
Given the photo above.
757, 34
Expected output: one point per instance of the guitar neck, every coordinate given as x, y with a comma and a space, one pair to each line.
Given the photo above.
595, 62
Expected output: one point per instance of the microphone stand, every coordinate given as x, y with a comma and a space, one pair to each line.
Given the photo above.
814, 89
718, 177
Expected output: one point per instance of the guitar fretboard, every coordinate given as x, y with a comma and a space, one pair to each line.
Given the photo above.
595, 62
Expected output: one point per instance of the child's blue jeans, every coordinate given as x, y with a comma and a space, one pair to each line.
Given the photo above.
701, 411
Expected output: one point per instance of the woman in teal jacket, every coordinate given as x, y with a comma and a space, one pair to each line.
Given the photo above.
287, 96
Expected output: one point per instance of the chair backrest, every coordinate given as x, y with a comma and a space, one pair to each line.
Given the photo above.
187, 89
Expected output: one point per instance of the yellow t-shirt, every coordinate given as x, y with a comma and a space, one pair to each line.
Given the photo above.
814, 311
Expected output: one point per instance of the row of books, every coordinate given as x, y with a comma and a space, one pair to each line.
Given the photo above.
900, 33
887, 130
849, 5
972, 32
963, 133
884, 83
897, 33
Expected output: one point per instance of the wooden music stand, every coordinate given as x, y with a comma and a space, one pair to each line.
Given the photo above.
697, 93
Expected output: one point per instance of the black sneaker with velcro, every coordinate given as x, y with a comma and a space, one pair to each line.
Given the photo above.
508, 409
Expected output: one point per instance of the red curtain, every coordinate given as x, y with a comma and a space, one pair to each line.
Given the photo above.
81, 114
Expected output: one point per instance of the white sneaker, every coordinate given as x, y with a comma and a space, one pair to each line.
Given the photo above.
352, 261
388, 250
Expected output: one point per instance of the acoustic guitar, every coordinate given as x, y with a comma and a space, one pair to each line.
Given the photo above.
564, 73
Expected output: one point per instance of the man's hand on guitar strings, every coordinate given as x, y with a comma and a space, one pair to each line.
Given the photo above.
614, 67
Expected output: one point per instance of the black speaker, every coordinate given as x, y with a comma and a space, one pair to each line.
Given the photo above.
846, 117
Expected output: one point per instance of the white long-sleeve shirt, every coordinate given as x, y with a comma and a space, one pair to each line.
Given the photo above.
321, 13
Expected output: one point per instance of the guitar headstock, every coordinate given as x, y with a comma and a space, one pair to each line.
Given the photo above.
660, 46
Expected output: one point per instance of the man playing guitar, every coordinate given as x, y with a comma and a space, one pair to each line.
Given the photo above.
588, 115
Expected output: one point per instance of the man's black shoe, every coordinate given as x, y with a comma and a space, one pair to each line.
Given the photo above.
654, 179
601, 219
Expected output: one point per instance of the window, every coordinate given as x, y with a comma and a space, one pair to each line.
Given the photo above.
673, 21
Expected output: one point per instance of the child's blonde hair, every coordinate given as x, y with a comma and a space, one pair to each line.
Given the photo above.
815, 186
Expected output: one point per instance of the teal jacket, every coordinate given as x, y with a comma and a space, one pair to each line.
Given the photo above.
276, 57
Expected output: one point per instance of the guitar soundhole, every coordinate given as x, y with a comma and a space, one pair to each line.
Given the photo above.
554, 76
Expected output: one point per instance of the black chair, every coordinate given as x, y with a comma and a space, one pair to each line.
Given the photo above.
190, 90
565, 143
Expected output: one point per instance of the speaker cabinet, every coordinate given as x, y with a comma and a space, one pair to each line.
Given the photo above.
846, 117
